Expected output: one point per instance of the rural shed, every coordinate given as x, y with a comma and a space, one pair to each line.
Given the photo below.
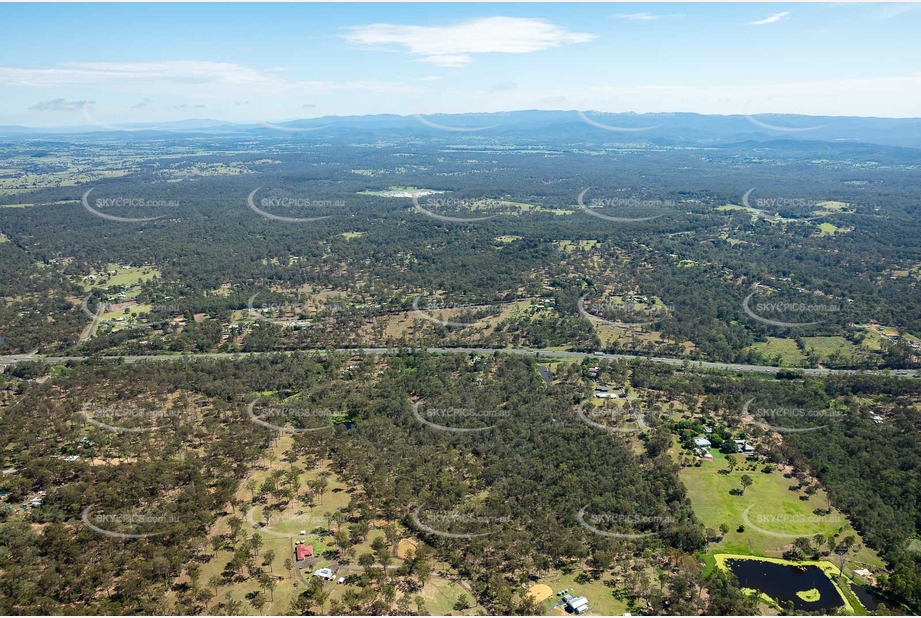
578, 605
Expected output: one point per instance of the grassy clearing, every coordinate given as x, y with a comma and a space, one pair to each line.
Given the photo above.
830, 206
351, 235
30, 205
829, 229
775, 510
118, 276
785, 349
404, 192
826, 346
571, 245
600, 597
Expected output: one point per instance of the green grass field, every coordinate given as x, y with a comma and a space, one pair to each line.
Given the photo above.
828, 229
124, 276
826, 346
600, 597
775, 509
790, 355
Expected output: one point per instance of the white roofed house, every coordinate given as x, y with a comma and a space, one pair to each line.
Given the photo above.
577, 605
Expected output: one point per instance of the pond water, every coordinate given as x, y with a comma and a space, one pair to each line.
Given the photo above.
870, 600
781, 582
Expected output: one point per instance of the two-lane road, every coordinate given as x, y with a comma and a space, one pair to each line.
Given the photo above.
543, 354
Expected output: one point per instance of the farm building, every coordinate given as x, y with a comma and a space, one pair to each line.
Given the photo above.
577, 605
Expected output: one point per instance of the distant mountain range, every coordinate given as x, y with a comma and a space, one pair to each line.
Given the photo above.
548, 126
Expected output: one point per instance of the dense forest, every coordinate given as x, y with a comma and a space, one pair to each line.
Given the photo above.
533, 471
126, 477
212, 253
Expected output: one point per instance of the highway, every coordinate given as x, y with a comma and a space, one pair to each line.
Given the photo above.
543, 354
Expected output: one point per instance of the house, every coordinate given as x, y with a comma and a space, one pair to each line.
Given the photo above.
324, 573
577, 605
703, 453
603, 392
744, 446
302, 552
877, 418
701, 443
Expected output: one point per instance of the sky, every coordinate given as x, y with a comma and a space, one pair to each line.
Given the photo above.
110, 64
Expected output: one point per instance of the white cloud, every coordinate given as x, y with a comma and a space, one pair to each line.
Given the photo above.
186, 77
448, 60
452, 45
769, 20
641, 16
60, 105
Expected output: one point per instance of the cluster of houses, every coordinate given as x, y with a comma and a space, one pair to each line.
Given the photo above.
302, 551
603, 392
702, 447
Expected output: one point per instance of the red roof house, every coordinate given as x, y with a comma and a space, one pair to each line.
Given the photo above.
303, 552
